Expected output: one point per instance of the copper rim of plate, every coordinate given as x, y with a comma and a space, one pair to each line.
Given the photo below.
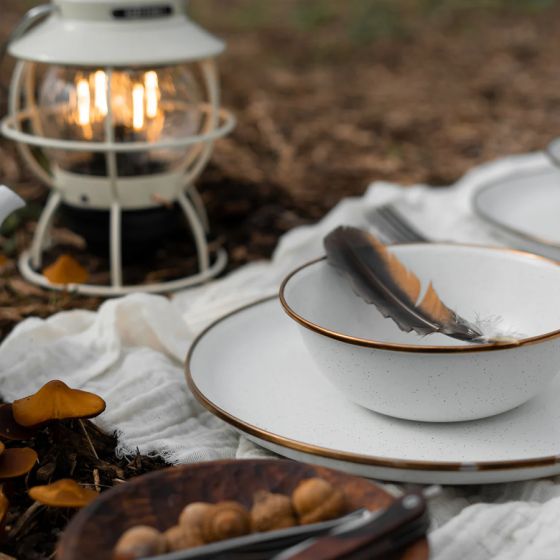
370, 460
499, 225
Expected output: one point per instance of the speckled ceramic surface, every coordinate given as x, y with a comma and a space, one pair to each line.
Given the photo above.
251, 369
436, 378
523, 210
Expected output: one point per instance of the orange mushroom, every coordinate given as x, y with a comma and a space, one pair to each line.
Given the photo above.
63, 493
56, 401
9, 428
17, 461
4, 506
66, 270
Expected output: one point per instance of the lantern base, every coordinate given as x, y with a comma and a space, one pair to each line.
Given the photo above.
209, 263
27, 271
143, 231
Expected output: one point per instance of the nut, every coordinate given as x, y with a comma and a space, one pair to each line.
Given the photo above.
316, 500
224, 521
139, 542
176, 539
271, 511
191, 520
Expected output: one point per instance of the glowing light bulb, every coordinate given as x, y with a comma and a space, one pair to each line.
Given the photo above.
100, 102
83, 98
137, 106
152, 94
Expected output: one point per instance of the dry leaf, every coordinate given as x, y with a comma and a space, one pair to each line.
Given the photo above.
64, 236
10, 314
66, 270
23, 288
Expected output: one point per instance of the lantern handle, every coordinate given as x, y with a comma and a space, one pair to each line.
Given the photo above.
27, 21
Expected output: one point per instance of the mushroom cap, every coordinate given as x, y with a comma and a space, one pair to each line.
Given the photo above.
66, 270
63, 493
56, 401
17, 461
9, 428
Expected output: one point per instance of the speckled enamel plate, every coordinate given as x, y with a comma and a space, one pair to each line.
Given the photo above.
251, 369
523, 210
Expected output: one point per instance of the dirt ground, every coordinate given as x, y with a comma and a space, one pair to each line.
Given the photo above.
330, 96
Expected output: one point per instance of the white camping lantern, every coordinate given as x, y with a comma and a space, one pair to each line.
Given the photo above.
115, 105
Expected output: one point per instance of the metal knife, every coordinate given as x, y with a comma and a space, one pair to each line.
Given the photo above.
372, 536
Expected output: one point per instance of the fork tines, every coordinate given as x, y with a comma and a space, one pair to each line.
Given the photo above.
393, 226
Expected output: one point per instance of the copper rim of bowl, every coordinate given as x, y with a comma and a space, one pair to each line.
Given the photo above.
416, 348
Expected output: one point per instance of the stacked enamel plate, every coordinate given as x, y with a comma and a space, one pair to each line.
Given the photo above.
293, 379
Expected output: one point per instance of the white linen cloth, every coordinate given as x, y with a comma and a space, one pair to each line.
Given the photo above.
131, 352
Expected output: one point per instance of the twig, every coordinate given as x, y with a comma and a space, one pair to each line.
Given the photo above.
96, 480
23, 519
89, 439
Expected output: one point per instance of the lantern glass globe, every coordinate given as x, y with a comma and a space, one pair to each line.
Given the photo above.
121, 106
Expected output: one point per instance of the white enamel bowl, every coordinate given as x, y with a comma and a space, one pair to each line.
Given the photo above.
435, 378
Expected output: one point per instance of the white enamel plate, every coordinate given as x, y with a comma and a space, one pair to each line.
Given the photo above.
523, 210
251, 369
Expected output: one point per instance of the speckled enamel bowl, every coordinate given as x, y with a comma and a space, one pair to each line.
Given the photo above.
435, 378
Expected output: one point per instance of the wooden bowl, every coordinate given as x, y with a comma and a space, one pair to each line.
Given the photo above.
156, 499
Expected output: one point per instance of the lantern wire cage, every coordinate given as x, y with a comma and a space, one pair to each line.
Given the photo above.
114, 191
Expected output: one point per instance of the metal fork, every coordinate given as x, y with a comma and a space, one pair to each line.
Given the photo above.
393, 227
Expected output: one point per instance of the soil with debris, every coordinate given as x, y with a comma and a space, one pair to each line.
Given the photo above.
329, 96
64, 452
